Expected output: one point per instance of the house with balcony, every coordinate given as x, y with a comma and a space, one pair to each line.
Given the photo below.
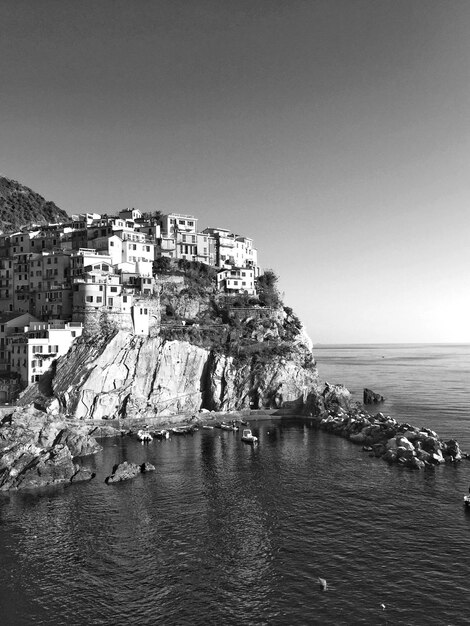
237, 280
40, 343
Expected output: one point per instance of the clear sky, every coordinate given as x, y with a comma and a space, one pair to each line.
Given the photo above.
335, 133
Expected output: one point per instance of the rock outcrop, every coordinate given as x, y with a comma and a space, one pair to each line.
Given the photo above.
383, 436
126, 471
37, 450
370, 397
142, 377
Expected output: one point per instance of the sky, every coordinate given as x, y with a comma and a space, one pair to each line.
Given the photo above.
335, 133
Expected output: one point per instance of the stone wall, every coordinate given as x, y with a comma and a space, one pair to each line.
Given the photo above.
105, 320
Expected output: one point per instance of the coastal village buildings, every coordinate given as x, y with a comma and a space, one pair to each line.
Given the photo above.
57, 280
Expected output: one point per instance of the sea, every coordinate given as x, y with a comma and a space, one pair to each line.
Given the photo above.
223, 532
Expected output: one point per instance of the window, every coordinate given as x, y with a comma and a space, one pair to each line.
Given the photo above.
89, 298
99, 299
110, 301
113, 289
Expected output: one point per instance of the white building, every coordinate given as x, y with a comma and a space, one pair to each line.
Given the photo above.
33, 350
237, 280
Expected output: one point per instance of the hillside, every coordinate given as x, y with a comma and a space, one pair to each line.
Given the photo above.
21, 206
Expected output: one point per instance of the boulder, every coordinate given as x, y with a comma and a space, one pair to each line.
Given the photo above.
123, 471
405, 453
336, 397
82, 475
403, 442
390, 456
50, 467
422, 455
436, 458
36, 449
415, 463
452, 449
370, 397
79, 443
147, 467
431, 444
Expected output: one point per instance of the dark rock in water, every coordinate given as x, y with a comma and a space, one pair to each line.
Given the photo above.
124, 471
370, 397
37, 449
44, 468
336, 397
82, 475
452, 449
147, 467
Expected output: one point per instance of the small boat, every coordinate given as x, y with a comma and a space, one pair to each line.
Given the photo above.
225, 426
248, 436
144, 436
466, 501
182, 430
208, 427
162, 434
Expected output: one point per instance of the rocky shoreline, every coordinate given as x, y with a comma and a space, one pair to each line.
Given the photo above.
396, 443
38, 449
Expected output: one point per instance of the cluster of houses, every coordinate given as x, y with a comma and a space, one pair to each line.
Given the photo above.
52, 278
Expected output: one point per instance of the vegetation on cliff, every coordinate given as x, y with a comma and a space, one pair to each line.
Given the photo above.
242, 326
20, 206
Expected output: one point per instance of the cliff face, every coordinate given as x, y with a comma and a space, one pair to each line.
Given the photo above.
207, 351
136, 377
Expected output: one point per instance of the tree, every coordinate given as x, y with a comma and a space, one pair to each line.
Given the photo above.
268, 293
161, 265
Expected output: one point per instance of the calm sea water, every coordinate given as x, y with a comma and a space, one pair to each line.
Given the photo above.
224, 533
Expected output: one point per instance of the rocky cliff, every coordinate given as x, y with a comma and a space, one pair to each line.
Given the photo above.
128, 376
209, 352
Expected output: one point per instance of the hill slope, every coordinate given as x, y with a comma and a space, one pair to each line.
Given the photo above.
21, 206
